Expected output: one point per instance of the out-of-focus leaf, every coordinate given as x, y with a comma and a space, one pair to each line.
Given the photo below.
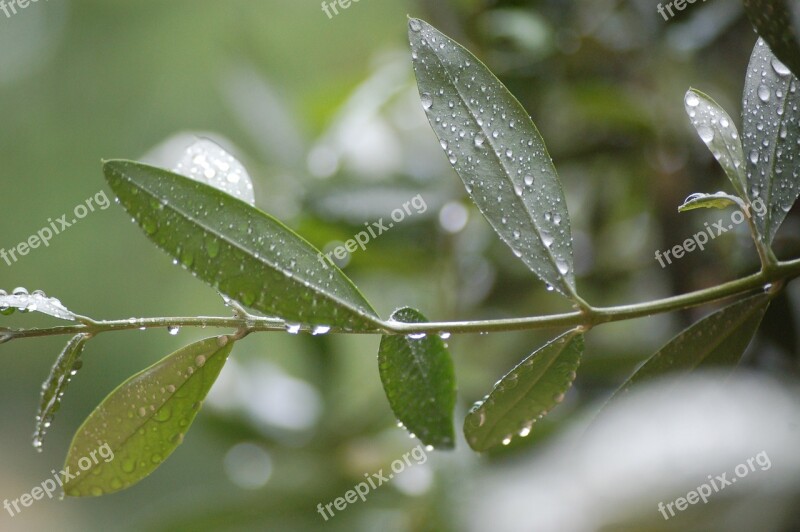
239, 250
144, 420
718, 340
779, 323
526, 394
719, 133
776, 22
419, 380
207, 162
718, 200
497, 151
771, 131
66, 366
36, 301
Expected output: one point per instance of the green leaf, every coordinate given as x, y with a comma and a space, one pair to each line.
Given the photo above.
53, 389
719, 133
526, 394
419, 380
718, 200
771, 131
776, 22
497, 151
36, 301
239, 250
144, 420
718, 340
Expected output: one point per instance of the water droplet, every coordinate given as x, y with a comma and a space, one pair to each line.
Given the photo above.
506, 440
293, 328
779, 67
427, 100
692, 100
417, 336
706, 133
200, 361
173, 330
479, 140
444, 335
528, 180
763, 93
415, 25
754, 156
320, 329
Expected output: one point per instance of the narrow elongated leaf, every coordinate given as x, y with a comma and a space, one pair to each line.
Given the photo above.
497, 151
144, 420
66, 366
36, 301
239, 250
526, 394
719, 133
718, 200
771, 131
718, 340
776, 22
419, 380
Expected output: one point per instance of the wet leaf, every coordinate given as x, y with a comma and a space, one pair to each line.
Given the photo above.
771, 131
419, 380
497, 151
36, 301
776, 22
718, 340
207, 162
66, 365
719, 133
144, 420
718, 200
526, 394
241, 251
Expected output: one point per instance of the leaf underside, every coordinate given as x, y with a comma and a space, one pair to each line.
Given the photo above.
526, 394
144, 420
419, 380
716, 341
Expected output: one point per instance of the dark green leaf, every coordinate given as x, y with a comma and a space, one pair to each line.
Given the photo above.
776, 21
718, 340
239, 250
719, 133
144, 420
771, 131
718, 200
526, 394
65, 367
419, 380
36, 301
497, 151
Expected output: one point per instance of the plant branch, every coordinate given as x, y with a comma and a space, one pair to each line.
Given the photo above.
587, 317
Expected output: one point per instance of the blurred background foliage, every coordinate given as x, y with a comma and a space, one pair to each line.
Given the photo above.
325, 115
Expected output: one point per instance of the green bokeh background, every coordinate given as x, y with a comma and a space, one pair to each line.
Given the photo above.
85, 80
